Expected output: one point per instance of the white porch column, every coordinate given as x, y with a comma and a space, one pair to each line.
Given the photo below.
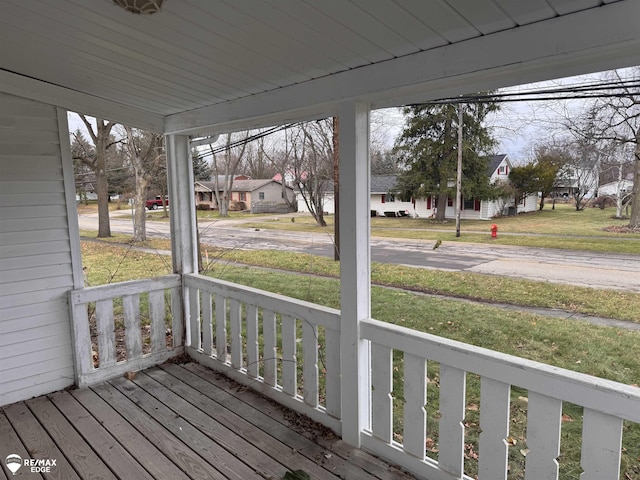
355, 268
182, 205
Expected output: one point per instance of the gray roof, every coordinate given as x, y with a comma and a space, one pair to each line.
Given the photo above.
384, 183
494, 162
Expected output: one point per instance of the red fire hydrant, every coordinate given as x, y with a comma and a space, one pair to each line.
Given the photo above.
494, 230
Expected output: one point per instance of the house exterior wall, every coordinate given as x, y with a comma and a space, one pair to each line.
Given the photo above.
385, 203
328, 205
37, 252
272, 193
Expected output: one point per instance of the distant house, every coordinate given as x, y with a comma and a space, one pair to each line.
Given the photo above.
580, 179
384, 198
611, 189
260, 195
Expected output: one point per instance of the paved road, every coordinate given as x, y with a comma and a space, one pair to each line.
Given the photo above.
591, 269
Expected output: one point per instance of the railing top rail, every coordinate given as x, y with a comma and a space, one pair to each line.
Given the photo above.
325, 316
607, 396
132, 287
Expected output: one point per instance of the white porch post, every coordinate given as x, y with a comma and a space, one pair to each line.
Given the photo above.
182, 204
355, 268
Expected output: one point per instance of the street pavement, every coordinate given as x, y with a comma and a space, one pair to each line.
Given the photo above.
588, 269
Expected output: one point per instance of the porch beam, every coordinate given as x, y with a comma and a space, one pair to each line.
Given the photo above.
592, 40
182, 205
355, 269
80, 102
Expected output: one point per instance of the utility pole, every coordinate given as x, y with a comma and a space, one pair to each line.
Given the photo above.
336, 189
459, 176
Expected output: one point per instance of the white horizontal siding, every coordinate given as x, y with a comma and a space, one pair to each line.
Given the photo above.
36, 269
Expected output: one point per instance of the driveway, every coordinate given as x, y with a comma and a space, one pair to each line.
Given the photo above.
588, 269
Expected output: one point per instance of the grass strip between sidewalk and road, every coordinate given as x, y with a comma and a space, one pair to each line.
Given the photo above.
616, 304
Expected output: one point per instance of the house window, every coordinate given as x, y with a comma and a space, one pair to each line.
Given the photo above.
468, 204
449, 202
243, 196
261, 195
391, 197
503, 170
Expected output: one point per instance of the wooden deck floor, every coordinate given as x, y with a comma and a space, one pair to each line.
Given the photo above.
175, 422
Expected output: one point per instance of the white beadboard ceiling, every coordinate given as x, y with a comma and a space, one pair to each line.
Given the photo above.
203, 62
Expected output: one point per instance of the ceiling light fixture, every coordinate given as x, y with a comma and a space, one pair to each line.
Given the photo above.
140, 7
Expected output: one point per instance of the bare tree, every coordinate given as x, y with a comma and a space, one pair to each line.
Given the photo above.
616, 119
146, 155
313, 166
97, 162
224, 169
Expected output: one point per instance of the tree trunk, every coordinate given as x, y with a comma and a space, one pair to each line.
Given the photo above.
139, 216
441, 210
104, 226
541, 202
634, 222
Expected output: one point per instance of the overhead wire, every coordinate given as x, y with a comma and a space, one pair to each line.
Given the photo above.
588, 90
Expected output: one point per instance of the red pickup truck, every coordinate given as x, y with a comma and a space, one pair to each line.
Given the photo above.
156, 202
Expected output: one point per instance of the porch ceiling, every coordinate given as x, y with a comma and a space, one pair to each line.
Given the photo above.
220, 62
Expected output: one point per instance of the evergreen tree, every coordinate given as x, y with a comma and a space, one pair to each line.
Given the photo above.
201, 168
428, 147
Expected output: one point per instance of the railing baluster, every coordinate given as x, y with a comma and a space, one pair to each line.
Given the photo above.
544, 420
177, 327
494, 426
270, 348
310, 364
132, 333
207, 327
289, 360
221, 327
382, 387
452, 413
106, 334
332, 377
601, 445
252, 341
157, 319
415, 396
82, 339
235, 318
194, 318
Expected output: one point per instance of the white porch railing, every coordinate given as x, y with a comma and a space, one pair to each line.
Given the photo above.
290, 351
105, 314
287, 349
606, 404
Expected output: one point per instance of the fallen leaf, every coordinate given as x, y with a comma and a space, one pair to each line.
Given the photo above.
511, 441
524, 452
566, 418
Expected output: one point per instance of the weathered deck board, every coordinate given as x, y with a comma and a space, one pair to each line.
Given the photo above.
37, 441
112, 453
80, 455
175, 422
344, 461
